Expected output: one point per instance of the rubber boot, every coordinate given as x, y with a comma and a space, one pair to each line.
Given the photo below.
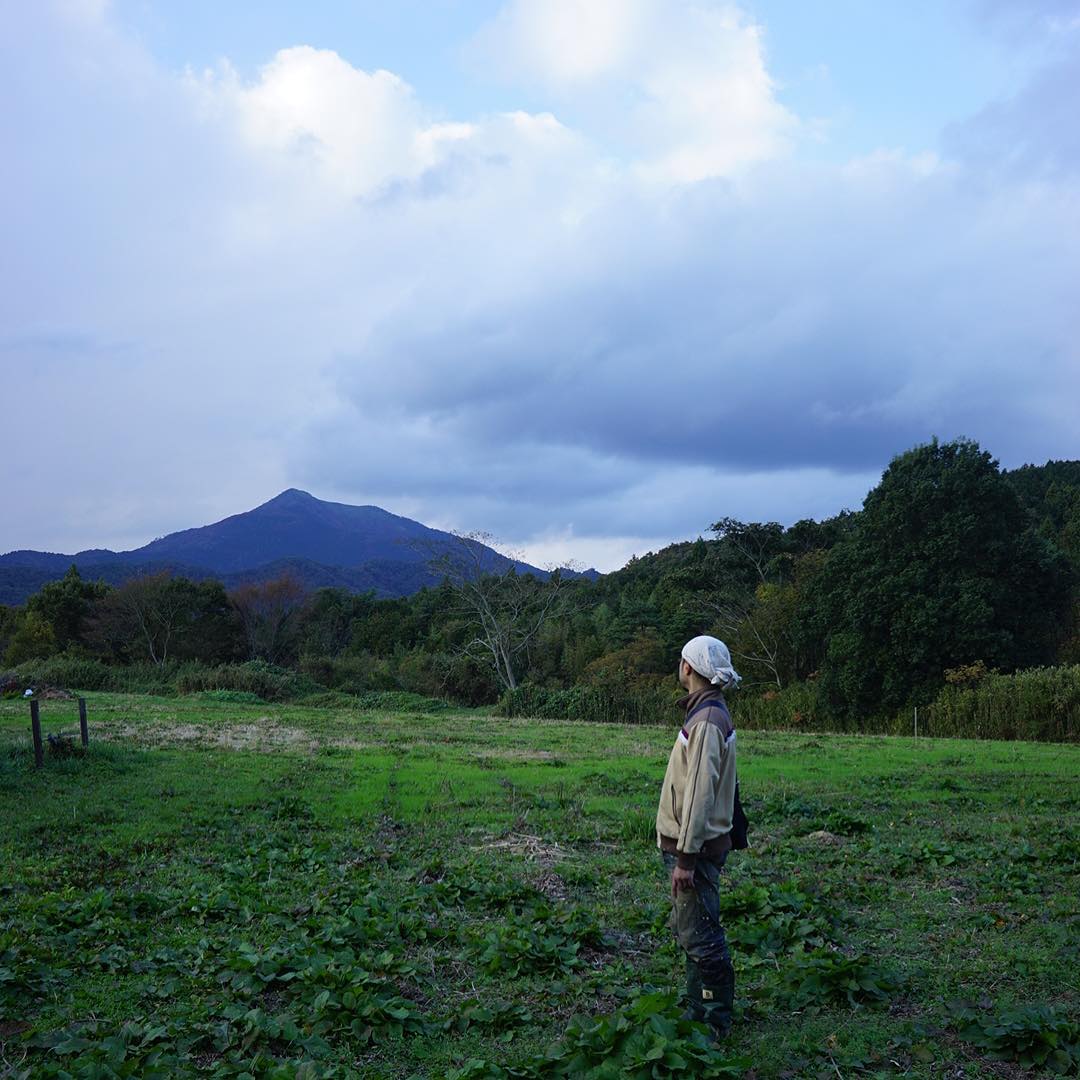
718, 1000
693, 1010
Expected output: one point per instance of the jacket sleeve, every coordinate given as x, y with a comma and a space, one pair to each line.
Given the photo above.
704, 752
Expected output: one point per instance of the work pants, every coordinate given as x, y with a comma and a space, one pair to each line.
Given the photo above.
695, 918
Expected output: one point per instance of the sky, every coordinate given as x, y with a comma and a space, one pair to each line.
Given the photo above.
586, 275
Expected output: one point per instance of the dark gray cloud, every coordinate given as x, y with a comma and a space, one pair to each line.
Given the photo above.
829, 322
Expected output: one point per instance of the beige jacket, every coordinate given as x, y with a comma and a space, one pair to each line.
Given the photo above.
698, 798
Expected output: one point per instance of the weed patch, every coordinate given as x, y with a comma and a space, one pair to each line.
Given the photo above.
1033, 1036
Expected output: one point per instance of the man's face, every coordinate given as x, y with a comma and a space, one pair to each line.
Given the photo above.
684, 674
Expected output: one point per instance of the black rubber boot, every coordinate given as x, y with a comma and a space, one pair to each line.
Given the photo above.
717, 1006
693, 1010
710, 999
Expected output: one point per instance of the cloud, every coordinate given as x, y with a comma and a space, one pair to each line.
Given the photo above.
682, 86
1030, 17
566, 43
1030, 137
312, 112
502, 321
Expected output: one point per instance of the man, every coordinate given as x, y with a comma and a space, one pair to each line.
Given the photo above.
693, 828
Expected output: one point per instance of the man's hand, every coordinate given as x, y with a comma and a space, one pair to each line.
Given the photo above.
681, 879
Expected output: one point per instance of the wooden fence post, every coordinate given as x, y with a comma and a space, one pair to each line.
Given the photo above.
83, 730
35, 727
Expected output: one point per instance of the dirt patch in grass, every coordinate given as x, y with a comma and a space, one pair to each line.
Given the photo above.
517, 754
824, 838
550, 884
265, 735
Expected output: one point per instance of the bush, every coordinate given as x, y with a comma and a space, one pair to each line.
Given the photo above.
418, 676
398, 701
611, 703
73, 672
795, 708
267, 681
352, 674
1041, 704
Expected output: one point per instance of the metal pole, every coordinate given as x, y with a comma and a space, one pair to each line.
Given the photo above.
83, 730
35, 727
916, 721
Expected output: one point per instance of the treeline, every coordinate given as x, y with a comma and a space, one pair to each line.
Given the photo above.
953, 576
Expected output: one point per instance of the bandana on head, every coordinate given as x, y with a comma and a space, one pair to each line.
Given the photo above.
710, 658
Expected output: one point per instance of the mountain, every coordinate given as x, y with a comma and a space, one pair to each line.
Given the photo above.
358, 548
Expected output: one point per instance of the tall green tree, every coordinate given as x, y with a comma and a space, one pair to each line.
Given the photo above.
65, 606
943, 568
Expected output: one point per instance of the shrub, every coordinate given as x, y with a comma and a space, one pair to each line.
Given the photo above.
398, 701
612, 703
353, 674
794, 708
73, 672
267, 681
1041, 704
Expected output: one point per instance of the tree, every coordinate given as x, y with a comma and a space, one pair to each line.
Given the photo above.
147, 609
31, 638
943, 568
65, 605
10, 621
739, 588
502, 609
159, 616
328, 619
269, 612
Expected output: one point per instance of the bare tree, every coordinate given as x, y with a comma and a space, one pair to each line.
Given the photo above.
505, 609
152, 609
750, 629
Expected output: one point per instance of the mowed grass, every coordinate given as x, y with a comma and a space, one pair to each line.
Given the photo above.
229, 889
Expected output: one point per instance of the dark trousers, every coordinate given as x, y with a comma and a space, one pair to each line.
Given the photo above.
695, 918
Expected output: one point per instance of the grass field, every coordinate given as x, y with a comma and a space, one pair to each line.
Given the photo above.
237, 889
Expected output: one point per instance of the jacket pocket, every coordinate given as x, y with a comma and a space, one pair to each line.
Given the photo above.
674, 812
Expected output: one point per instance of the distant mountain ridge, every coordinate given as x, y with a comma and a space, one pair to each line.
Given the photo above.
323, 544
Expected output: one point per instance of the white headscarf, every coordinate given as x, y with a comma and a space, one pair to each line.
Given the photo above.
710, 658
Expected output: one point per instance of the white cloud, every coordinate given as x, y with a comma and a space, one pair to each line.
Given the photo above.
565, 43
313, 111
681, 84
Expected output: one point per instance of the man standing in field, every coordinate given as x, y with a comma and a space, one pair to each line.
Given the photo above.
694, 828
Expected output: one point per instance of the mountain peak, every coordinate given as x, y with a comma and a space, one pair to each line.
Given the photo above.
291, 495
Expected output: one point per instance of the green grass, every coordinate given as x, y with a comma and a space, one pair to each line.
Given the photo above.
222, 888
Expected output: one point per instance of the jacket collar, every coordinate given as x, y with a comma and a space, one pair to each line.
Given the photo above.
706, 693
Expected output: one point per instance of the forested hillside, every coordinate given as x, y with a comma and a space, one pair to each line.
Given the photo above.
952, 570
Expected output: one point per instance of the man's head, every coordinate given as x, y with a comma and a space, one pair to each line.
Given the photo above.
689, 679
705, 661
